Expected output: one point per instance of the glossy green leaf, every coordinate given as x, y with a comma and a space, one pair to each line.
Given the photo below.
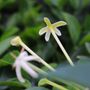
3, 4
10, 83
55, 88
73, 26
46, 81
88, 47
83, 59
85, 3
43, 82
85, 39
75, 3
15, 83
87, 23
3, 63
78, 74
58, 3
13, 20
37, 88
8, 59
31, 32
4, 45
11, 31
79, 4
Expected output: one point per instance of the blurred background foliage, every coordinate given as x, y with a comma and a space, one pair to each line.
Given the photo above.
25, 18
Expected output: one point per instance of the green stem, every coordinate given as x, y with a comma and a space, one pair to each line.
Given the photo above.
34, 54
62, 48
46, 81
56, 85
37, 69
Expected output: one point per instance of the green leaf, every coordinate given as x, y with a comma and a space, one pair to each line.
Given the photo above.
4, 45
31, 32
8, 59
79, 4
83, 59
52, 2
3, 63
54, 65
75, 3
46, 81
43, 82
36, 88
85, 3
11, 31
79, 74
85, 39
3, 3
87, 23
13, 20
73, 26
55, 88
88, 47
14, 82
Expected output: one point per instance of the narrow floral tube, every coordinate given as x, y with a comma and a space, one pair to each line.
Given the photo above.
52, 29
17, 41
62, 48
39, 58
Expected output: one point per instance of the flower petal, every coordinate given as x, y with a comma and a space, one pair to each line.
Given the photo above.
59, 23
30, 58
47, 21
42, 31
28, 69
18, 73
47, 35
57, 32
23, 54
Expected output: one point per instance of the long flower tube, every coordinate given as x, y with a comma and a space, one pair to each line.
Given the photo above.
17, 41
52, 29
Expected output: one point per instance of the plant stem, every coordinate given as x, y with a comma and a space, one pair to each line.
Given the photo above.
62, 48
56, 85
46, 81
34, 54
37, 69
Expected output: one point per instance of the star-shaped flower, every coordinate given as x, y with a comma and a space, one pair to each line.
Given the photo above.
51, 27
17, 41
22, 62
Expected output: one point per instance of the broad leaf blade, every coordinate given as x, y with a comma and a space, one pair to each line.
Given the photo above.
36, 88
4, 45
88, 47
73, 26
9, 32
14, 82
79, 74
85, 39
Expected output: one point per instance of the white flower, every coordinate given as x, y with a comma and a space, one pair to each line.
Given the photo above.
50, 27
17, 41
22, 62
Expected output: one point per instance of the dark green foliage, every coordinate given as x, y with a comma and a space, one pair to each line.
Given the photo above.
25, 18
